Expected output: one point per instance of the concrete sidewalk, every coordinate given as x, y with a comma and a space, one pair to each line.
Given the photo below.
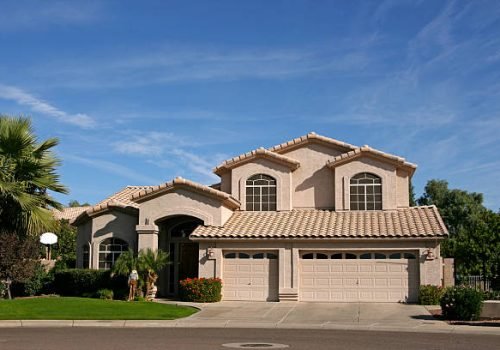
289, 315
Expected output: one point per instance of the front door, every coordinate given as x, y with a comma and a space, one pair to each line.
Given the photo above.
188, 260
174, 239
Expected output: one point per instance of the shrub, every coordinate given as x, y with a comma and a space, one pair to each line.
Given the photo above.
139, 298
461, 303
430, 295
105, 294
39, 283
492, 295
85, 282
201, 290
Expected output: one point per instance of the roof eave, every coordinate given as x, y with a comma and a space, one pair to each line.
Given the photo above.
235, 162
398, 162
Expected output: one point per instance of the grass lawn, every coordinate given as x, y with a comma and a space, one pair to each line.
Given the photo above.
58, 308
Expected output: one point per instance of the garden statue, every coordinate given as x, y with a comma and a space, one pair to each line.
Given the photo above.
133, 279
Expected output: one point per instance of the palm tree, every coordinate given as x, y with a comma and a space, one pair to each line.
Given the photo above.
150, 264
27, 174
125, 263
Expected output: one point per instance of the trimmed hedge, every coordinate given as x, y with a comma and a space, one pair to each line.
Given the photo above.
461, 303
201, 290
86, 282
430, 295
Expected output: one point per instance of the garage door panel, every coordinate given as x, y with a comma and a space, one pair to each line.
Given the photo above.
250, 279
370, 280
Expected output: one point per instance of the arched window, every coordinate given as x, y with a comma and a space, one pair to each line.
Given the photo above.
109, 251
86, 256
261, 193
366, 192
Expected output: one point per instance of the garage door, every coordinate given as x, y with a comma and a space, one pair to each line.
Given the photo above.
250, 276
358, 277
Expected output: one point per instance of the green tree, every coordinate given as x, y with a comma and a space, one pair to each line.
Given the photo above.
474, 230
65, 248
18, 258
411, 193
74, 203
27, 175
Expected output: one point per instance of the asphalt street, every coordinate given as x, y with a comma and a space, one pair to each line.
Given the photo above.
204, 339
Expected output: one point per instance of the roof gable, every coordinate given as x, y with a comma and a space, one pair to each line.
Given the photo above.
121, 200
179, 182
258, 153
311, 137
367, 151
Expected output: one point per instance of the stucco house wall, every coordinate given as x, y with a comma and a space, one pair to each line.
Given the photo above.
313, 183
281, 173
344, 173
110, 224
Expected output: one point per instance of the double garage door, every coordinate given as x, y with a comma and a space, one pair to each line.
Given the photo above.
324, 276
250, 275
358, 277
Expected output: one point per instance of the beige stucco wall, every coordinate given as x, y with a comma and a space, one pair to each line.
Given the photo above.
183, 202
110, 224
313, 182
281, 173
344, 172
402, 189
289, 253
83, 237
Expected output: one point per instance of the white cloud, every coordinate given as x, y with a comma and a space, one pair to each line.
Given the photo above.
23, 98
187, 64
167, 150
113, 168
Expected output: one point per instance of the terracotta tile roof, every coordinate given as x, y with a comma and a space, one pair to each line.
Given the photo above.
414, 222
258, 153
153, 191
367, 150
68, 213
311, 137
121, 199
125, 195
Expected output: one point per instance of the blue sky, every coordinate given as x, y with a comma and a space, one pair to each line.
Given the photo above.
141, 92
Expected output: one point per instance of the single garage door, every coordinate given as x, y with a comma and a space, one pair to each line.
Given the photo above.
250, 276
358, 277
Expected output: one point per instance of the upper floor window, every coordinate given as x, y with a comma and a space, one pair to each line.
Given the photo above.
110, 250
366, 192
261, 193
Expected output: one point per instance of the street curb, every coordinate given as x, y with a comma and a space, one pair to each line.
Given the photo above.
184, 323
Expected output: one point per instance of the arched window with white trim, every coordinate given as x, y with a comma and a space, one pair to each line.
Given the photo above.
261, 193
366, 192
110, 250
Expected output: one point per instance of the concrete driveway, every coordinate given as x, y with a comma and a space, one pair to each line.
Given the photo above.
313, 315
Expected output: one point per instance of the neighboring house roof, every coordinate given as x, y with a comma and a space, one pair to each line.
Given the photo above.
310, 138
371, 152
68, 213
179, 182
258, 153
414, 222
120, 200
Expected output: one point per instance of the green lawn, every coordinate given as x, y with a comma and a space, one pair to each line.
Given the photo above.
56, 308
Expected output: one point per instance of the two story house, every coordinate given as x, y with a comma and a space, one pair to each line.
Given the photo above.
312, 219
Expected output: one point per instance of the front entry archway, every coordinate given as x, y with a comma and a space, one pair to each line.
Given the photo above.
174, 239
